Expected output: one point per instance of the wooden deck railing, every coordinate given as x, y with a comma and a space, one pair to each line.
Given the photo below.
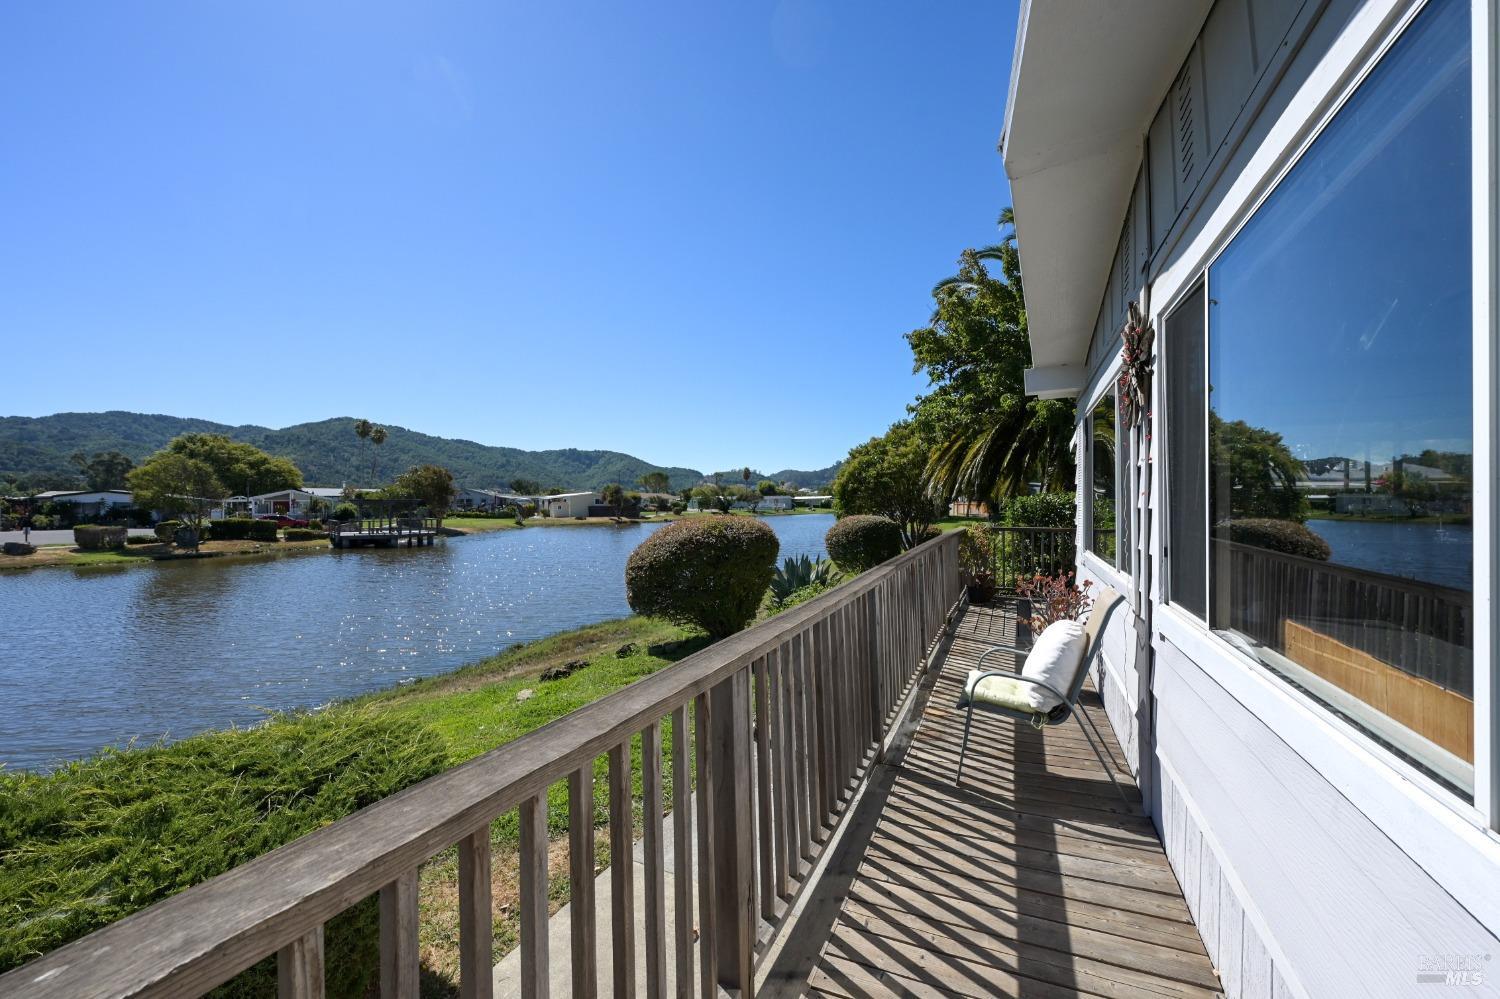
383, 525
786, 719
1421, 628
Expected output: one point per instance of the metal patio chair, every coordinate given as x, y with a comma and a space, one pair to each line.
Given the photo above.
1008, 696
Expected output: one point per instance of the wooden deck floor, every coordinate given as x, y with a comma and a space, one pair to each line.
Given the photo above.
1033, 878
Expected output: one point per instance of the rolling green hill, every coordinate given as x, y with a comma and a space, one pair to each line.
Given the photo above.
33, 449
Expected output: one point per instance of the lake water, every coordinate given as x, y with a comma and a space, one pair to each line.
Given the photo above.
98, 657
1429, 552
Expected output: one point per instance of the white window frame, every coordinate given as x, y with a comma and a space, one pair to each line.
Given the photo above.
1117, 578
1449, 838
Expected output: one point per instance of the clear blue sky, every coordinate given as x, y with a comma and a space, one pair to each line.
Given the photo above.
692, 231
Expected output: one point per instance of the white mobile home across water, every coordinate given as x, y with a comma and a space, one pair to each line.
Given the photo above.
1259, 246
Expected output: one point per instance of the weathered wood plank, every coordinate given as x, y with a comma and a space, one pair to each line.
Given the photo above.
582, 919
299, 967
654, 851
399, 966
765, 829
682, 860
708, 959
535, 970
476, 925
621, 872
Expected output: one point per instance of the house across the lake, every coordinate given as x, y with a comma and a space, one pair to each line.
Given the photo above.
1252, 230
85, 502
569, 504
301, 503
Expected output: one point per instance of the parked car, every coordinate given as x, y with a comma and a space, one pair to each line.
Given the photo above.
282, 520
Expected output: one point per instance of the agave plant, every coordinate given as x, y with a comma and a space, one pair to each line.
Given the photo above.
796, 573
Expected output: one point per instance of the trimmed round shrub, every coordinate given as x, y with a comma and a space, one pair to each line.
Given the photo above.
98, 839
1285, 536
346, 511
862, 542
167, 529
711, 574
92, 538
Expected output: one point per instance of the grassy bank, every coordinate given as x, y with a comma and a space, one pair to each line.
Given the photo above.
103, 837
68, 555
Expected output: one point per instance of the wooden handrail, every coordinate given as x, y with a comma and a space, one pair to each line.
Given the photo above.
870, 634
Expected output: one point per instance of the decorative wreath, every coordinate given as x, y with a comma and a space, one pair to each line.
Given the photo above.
1133, 387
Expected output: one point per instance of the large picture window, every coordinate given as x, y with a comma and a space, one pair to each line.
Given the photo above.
1339, 414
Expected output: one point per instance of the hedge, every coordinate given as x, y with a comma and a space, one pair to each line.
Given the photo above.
711, 574
862, 541
243, 529
92, 538
304, 534
101, 838
1039, 510
1285, 536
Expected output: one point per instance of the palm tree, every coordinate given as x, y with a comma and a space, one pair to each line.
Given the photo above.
994, 441
377, 438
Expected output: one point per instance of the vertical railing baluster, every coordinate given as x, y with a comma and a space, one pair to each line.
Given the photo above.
299, 967
801, 778
476, 925
621, 871
682, 858
765, 833
399, 965
535, 971
781, 742
733, 828
584, 950
656, 861
708, 960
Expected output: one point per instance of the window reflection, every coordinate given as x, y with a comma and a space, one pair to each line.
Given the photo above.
1340, 407
1102, 443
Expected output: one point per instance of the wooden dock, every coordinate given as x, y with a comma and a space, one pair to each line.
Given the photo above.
385, 532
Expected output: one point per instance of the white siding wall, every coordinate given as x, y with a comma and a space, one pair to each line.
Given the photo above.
1302, 883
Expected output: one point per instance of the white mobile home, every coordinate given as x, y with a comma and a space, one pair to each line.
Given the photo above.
1300, 200
569, 504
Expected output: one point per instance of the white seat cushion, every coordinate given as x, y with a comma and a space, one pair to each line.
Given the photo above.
1002, 691
1054, 659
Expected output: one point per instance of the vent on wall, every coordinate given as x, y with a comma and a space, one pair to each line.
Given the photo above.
1185, 104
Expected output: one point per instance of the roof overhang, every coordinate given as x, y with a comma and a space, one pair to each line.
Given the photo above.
1086, 80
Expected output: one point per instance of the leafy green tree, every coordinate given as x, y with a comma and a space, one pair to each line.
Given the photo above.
655, 482
614, 496
525, 487
887, 476
1254, 472
712, 496
768, 488
177, 485
105, 470
990, 440
238, 466
432, 484
745, 475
